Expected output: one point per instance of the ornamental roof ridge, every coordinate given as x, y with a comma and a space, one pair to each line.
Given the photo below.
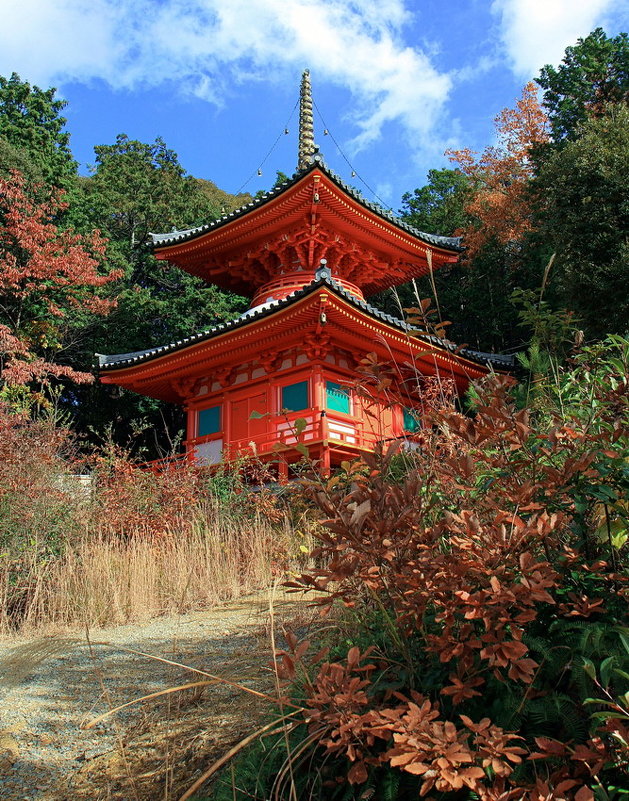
452, 243
124, 360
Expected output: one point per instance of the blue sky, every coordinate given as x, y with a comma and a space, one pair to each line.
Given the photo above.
397, 81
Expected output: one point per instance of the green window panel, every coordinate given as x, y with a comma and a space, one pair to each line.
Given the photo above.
337, 397
411, 421
209, 421
294, 397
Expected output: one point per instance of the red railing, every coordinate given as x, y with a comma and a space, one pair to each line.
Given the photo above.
290, 432
307, 428
168, 462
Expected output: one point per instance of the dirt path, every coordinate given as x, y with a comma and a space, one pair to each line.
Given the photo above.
50, 687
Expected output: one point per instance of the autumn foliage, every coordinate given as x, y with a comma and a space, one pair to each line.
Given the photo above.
482, 605
501, 174
47, 274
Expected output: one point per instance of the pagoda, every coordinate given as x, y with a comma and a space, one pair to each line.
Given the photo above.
288, 376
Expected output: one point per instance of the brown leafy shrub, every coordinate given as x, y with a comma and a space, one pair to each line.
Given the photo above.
489, 607
35, 516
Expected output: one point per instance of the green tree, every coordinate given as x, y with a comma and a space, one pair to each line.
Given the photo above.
280, 180
593, 73
219, 199
17, 159
33, 138
583, 211
137, 188
439, 206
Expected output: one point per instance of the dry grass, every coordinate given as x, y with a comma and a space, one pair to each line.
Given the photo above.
101, 581
122, 544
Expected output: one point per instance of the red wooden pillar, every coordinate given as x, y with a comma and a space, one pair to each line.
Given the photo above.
318, 392
191, 427
227, 425
282, 470
325, 459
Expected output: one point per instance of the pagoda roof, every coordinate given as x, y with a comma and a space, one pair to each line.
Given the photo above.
452, 243
314, 214
108, 364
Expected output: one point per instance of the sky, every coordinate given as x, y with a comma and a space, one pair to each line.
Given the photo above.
395, 82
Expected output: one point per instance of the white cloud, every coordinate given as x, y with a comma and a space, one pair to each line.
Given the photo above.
46, 41
537, 32
206, 45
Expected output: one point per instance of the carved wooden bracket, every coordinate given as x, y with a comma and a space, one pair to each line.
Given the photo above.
224, 376
271, 361
186, 387
316, 346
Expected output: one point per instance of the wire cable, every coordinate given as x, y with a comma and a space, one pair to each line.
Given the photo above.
258, 170
348, 162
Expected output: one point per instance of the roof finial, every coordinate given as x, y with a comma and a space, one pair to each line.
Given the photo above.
306, 123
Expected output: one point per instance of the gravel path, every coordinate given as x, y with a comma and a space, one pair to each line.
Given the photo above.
51, 687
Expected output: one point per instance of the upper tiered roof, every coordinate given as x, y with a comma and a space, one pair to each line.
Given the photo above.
272, 246
313, 215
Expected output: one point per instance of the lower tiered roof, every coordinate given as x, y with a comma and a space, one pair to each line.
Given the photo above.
112, 367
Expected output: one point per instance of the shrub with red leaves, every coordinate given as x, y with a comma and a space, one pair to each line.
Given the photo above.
493, 613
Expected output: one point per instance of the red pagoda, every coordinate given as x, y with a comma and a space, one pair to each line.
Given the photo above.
287, 374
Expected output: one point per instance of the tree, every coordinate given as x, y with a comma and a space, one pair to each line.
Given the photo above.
280, 180
49, 281
486, 201
439, 206
474, 293
593, 73
582, 195
219, 199
16, 158
137, 188
500, 177
32, 133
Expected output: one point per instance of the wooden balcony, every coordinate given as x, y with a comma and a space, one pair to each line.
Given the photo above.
325, 436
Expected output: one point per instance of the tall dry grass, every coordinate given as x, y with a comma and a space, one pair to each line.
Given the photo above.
102, 581
126, 544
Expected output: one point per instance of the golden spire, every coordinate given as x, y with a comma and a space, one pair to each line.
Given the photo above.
306, 123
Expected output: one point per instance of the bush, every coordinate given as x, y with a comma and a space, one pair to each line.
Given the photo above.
486, 654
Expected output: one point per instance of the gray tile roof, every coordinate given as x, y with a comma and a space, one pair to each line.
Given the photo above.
452, 243
123, 360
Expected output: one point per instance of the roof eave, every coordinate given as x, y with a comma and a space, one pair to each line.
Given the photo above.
161, 242
488, 361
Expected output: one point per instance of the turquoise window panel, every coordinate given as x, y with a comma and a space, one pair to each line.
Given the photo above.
209, 421
294, 397
337, 397
411, 421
